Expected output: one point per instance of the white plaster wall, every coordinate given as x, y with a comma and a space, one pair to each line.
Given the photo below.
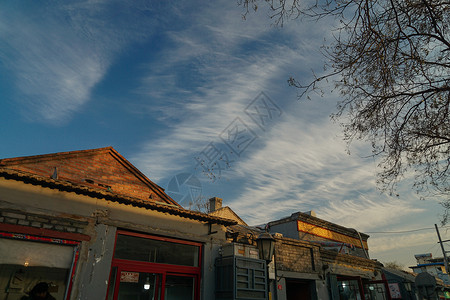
104, 217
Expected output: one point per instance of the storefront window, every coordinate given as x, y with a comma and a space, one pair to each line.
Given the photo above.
156, 251
27, 260
157, 268
349, 290
377, 291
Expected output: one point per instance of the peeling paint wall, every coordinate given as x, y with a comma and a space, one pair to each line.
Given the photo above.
96, 269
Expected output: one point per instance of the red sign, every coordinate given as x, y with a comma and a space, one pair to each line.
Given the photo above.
129, 276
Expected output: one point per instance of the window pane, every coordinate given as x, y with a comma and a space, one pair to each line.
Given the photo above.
375, 291
143, 249
179, 288
349, 290
139, 286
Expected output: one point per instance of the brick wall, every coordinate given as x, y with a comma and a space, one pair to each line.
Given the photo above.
296, 256
99, 169
356, 263
41, 221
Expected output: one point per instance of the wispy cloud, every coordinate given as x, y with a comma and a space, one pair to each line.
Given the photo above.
59, 57
217, 65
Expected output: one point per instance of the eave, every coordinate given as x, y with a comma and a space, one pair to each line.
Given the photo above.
66, 186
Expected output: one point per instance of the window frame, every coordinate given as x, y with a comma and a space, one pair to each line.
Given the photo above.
152, 267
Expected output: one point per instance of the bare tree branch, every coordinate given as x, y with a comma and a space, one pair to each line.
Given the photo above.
391, 62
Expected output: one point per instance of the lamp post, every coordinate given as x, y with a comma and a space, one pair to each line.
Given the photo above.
266, 246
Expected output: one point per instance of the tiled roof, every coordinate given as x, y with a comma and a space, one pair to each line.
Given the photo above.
34, 170
102, 168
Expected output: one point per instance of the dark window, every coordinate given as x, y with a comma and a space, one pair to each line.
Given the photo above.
156, 251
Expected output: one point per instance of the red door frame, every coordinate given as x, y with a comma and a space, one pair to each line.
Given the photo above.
157, 268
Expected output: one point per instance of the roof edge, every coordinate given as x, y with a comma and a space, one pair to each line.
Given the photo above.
47, 156
28, 178
5, 162
232, 211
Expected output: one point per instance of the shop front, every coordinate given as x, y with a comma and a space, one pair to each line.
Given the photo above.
89, 225
26, 260
152, 267
357, 288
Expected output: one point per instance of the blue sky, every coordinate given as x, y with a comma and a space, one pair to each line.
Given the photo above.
164, 82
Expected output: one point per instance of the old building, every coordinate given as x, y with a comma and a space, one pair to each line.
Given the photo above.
215, 208
339, 267
313, 259
94, 227
343, 266
433, 265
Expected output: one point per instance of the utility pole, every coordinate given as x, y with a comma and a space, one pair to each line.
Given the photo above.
443, 250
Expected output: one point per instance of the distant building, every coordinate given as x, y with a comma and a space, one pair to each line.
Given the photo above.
434, 266
216, 209
313, 259
343, 258
331, 236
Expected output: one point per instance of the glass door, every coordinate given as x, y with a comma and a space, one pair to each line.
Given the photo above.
148, 267
139, 286
131, 285
179, 287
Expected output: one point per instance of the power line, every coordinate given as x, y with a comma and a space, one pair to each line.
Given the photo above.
432, 248
406, 231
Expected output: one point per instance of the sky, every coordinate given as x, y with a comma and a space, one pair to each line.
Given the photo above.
197, 98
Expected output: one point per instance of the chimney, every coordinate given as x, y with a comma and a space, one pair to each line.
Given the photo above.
312, 213
214, 204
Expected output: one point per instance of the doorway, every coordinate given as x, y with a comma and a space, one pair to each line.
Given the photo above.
154, 268
297, 289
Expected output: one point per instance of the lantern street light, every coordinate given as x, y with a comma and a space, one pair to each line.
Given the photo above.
266, 246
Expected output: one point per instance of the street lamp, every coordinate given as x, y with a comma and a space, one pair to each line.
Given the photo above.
266, 246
